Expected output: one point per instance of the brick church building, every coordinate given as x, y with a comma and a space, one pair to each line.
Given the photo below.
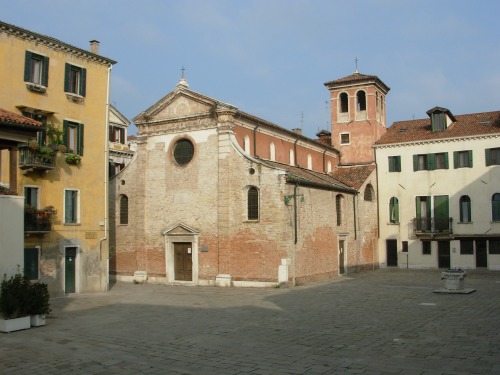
217, 196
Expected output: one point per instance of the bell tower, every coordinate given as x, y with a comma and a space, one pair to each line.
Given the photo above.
358, 114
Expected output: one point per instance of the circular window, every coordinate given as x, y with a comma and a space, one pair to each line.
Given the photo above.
183, 151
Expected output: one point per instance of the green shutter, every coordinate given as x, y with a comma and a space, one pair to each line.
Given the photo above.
431, 162
415, 162
391, 164
398, 163
83, 81
487, 157
31, 263
80, 140
45, 71
27, 67
65, 134
470, 158
455, 159
446, 162
417, 207
67, 69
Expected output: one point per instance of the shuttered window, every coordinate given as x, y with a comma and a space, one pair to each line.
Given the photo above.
75, 80
73, 137
36, 69
394, 210
462, 159
394, 163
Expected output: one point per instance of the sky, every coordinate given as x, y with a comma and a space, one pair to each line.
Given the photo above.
271, 58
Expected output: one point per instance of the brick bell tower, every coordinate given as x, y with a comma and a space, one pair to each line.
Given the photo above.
358, 115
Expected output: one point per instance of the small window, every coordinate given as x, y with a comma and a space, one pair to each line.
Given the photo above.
338, 206
462, 159
329, 167
117, 134
272, 152
394, 163
123, 210
465, 209
405, 246
344, 139
36, 69
309, 161
75, 80
292, 157
426, 247
246, 142
253, 203
183, 151
493, 156
31, 196
73, 137
466, 247
394, 210
71, 206
361, 100
495, 207
344, 103
368, 196
31, 263
494, 246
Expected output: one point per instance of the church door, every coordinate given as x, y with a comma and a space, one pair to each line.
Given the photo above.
183, 262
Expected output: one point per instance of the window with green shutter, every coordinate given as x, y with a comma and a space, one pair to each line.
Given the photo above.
495, 207
73, 137
421, 162
31, 269
492, 156
462, 159
36, 69
394, 210
394, 163
70, 206
75, 79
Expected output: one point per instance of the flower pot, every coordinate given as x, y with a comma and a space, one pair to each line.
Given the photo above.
17, 324
37, 320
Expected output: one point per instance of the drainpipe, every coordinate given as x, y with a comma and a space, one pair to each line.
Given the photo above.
324, 161
295, 151
355, 216
295, 230
378, 206
106, 177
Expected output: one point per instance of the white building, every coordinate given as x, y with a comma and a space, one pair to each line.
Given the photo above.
439, 191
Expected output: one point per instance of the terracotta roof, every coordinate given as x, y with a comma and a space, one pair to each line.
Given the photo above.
474, 124
13, 119
357, 78
306, 177
353, 175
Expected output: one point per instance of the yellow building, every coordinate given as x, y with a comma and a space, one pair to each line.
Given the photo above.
63, 174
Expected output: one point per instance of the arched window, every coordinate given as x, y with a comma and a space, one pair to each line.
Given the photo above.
377, 102
361, 100
495, 207
329, 167
292, 157
394, 210
465, 209
272, 152
253, 203
368, 193
246, 142
344, 102
309, 162
123, 209
339, 200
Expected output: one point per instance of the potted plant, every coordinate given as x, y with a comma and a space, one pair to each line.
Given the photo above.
38, 303
73, 159
14, 300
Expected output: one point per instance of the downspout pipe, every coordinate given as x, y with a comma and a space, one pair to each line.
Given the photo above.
106, 179
324, 161
295, 151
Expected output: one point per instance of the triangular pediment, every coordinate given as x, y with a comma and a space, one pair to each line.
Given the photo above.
179, 229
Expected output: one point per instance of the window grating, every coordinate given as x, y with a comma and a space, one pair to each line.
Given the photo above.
183, 151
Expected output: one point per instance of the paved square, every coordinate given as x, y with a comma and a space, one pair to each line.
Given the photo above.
381, 322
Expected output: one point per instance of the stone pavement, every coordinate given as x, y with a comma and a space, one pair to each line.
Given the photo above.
381, 322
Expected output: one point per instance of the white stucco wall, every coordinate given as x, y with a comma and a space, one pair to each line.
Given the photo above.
11, 234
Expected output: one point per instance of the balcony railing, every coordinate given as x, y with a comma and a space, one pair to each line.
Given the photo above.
432, 225
34, 159
37, 222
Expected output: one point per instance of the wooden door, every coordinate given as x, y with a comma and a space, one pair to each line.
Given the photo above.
183, 262
444, 254
341, 257
481, 255
69, 270
392, 253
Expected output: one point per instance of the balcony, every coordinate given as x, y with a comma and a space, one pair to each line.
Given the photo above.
432, 226
38, 221
40, 160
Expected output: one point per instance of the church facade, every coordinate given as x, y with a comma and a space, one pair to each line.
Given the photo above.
217, 196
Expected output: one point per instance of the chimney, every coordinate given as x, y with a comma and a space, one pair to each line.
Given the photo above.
297, 131
94, 46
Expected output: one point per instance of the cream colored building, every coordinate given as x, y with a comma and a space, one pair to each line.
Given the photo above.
65, 189
439, 191
120, 153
